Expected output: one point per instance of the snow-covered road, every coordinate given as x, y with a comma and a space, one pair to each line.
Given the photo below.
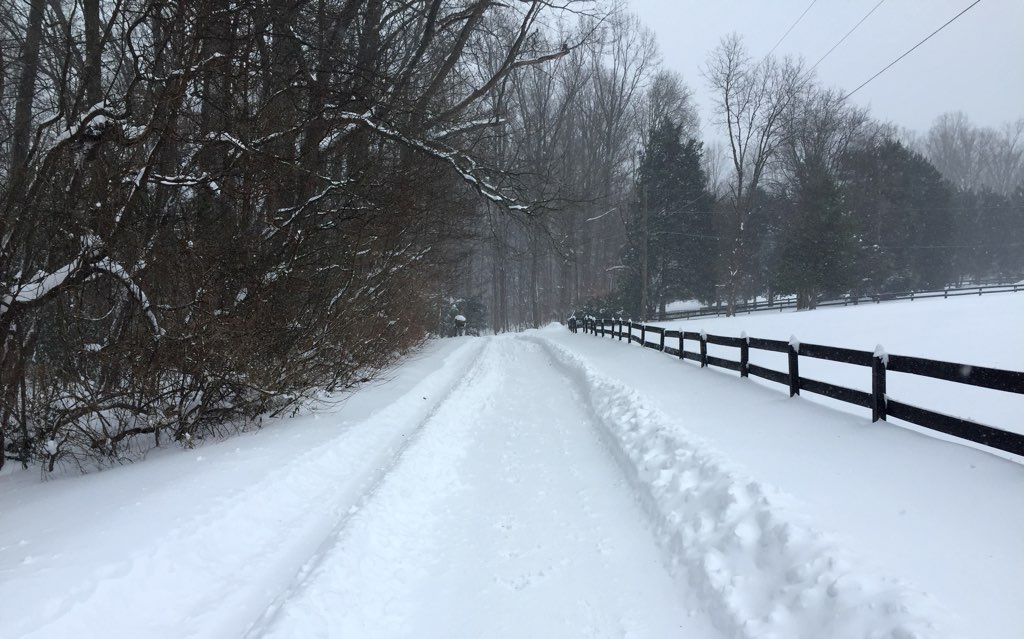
468, 497
506, 518
537, 485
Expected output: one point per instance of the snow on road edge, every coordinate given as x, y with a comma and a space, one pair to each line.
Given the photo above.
219, 568
760, 568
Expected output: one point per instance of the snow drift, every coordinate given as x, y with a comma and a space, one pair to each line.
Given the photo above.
761, 570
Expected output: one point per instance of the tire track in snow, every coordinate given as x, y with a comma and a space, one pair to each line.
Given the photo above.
506, 518
314, 564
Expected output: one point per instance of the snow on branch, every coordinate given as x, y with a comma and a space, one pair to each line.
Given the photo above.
464, 165
45, 283
437, 134
89, 260
114, 269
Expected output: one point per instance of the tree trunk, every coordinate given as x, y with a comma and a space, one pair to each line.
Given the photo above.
644, 249
26, 93
93, 52
534, 285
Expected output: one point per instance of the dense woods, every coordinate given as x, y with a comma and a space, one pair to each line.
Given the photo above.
213, 211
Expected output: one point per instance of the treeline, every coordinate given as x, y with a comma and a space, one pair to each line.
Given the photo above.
214, 210
574, 132
808, 196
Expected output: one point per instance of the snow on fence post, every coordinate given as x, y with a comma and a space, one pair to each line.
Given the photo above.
878, 365
703, 349
794, 366
744, 355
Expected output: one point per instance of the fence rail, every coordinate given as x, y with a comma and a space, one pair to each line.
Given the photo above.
789, 303
880, 404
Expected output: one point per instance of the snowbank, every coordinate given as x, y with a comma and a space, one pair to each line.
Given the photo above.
200, 543
760, 569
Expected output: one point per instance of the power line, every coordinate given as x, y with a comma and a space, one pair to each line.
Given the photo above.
791, 27
848, 33
909, 51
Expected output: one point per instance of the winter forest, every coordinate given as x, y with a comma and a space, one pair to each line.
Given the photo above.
213, 210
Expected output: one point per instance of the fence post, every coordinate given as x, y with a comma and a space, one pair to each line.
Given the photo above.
620, 329
703, 349
643, 334
878, 365
662, 346
744, 355
681, 338
794, 366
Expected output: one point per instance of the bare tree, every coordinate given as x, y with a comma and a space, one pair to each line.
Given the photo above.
216, 209
750, 99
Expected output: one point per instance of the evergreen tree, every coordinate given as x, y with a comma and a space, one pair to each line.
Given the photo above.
816, 240
671, 238
903, 213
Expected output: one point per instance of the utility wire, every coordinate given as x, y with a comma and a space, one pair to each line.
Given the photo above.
848, 33
791, 27
909, 51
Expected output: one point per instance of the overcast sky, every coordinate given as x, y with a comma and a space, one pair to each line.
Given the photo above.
975, 65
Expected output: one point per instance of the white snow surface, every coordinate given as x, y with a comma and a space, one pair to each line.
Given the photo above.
545, 485
683, 305
937, 514
975, 331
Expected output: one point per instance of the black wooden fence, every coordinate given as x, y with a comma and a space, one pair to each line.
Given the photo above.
783, 304
880, 404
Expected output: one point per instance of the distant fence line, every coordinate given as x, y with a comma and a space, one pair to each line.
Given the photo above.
790, 303
880, 404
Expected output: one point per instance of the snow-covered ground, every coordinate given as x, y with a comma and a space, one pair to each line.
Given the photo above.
542, 485
978, 331
938, 515
683, 305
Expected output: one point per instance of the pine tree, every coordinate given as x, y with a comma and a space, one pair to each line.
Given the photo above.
904, 215
817, 242
671, 235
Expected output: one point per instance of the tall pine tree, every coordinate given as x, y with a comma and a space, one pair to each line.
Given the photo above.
904, 214
671, 243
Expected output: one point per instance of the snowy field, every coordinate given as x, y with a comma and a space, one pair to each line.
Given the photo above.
979, 331
541, 485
